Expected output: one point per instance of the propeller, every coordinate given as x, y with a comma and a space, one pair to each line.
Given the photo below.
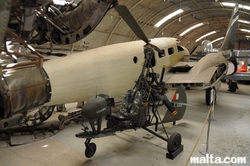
126, 15
132, 23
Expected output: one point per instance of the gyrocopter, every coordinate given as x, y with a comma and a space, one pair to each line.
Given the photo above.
139, 108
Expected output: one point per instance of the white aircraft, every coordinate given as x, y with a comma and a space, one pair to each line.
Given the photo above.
207, 72
109, 69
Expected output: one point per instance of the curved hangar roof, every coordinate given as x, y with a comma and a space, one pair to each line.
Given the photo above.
210, 15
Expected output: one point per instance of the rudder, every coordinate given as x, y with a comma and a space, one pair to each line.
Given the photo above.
179, 101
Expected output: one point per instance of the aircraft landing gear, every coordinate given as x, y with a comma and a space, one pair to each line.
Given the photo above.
174, 145
90, 148
232, 86
208, 96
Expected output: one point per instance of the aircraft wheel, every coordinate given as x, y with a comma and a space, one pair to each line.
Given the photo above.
174, 142
233, 87
90, 150
208, 96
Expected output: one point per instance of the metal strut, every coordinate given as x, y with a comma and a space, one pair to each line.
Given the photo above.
156, 134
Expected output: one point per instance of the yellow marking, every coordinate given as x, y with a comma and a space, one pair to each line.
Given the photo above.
174, 112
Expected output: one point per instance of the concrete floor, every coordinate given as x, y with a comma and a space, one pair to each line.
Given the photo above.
229, 137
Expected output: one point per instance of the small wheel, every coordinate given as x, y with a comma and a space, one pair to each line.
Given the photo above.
174, 142
90, 150
174, 123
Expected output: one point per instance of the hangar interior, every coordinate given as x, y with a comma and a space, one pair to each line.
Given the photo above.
49, 143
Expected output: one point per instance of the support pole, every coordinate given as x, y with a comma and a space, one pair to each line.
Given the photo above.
212, 102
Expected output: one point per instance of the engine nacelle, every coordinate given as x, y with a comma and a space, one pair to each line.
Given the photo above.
96, 107
22, 89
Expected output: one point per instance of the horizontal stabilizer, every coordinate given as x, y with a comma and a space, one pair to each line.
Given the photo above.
185, 64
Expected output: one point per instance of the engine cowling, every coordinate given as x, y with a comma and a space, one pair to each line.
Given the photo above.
232, 66
96, 107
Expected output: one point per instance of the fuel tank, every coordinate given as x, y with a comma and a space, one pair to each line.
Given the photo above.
96, 107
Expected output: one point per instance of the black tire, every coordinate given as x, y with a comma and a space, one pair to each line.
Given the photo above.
174, 142
90, 150
208, 96
233, 87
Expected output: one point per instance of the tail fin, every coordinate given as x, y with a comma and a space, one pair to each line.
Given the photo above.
179, 102
243, 68
228, 43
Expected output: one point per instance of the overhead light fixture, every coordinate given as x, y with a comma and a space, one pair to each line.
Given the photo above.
245, 30
215, 40
168, 17
60, 2
210, 33
191, 28
244, 21
229, 4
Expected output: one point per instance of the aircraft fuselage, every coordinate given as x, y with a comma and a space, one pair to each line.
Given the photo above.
110, 70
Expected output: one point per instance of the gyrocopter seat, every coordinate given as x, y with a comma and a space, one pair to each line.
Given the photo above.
132, 112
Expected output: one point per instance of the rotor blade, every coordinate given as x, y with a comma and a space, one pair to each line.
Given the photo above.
132, 23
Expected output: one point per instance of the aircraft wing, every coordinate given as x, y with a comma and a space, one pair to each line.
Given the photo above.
202, 79
184, 64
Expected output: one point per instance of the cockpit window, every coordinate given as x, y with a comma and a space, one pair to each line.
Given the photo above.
170, 51
179, 48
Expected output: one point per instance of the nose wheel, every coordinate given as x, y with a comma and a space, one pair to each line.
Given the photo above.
90, 148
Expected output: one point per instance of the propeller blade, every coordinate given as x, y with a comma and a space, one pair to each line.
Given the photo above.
132, 23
